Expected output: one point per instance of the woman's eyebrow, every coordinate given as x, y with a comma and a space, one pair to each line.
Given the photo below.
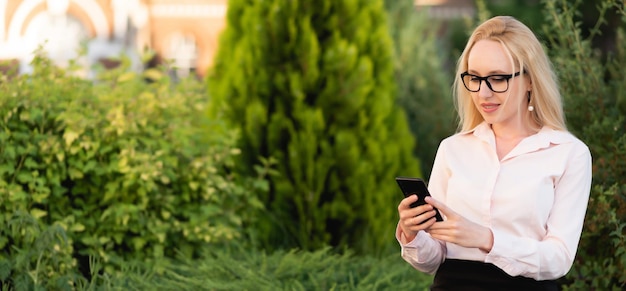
494, 72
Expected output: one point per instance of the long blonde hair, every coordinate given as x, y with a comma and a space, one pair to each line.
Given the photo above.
524, 47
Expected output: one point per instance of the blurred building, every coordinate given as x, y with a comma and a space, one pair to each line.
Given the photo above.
183, 31
447, 9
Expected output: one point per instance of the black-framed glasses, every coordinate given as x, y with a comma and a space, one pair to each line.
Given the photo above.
498, 83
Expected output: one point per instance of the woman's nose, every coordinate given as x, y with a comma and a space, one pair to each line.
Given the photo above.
484, 90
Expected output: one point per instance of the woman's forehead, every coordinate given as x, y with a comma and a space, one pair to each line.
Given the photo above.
489, 57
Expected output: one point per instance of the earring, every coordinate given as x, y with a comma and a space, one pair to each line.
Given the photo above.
530, 107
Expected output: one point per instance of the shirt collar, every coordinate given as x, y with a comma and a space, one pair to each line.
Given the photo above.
542, 139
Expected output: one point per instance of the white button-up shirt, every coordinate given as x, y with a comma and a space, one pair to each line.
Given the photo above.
534, 201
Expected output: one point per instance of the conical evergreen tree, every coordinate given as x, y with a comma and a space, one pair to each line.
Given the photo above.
310, 83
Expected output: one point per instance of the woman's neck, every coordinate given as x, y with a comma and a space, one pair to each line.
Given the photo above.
508, 137
512, 131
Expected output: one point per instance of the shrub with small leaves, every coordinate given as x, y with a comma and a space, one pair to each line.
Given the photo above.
125, 166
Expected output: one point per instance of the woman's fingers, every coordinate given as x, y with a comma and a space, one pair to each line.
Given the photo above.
417, 216
406, 202
443, 209
412, 220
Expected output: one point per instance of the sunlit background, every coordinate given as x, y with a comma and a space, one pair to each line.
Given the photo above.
185, 32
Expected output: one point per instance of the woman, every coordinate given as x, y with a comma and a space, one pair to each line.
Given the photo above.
513, 183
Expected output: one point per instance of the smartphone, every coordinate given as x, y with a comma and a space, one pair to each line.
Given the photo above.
416, 186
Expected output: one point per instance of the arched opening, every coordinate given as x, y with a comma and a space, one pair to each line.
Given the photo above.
59, 35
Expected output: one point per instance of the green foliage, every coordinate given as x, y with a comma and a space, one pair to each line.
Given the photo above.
423, 77
310, 84
524, 10
594, 89
41, 255
126, 166
241, 268
322, 269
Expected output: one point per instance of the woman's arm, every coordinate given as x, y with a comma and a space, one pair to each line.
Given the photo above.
418, 248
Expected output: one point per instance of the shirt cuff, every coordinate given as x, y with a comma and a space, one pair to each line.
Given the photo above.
423, 252
504, 247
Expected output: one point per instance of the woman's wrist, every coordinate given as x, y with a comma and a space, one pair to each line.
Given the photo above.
408, 238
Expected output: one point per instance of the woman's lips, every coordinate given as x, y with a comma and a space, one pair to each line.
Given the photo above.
489, 107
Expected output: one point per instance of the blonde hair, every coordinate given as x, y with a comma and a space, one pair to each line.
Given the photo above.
526, 51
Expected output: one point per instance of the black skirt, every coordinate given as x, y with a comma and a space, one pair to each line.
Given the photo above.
464, 275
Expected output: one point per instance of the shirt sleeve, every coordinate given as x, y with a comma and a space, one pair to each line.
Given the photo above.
425, 253
553, 256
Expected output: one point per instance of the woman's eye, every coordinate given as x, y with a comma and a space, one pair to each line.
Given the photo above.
496, 79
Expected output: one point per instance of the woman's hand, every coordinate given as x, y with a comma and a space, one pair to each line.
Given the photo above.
458, 230
412, 220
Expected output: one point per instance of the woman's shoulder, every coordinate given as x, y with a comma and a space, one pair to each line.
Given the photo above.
564, 137
459, 139
483, 131
560, 136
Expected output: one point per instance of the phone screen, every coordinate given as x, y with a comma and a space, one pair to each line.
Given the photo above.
416, 186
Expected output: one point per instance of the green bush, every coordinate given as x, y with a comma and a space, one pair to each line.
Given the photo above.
594, 89
310, 84
126, 166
